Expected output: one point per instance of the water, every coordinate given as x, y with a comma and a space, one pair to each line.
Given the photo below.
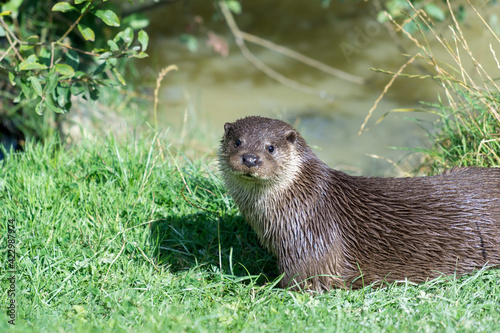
210, 90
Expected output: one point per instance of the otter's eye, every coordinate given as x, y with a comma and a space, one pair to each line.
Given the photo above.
237, 143
270, 149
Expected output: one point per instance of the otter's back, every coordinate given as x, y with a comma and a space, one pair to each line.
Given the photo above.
420, 227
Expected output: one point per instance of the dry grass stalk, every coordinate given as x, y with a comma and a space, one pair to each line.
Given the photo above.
453, 79
161, 75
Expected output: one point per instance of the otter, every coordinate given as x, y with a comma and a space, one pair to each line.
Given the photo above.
328, 229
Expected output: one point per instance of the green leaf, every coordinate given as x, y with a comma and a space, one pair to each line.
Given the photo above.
85, 7
381, 17
50, 103
107, 83
118, 37
12, 78
63, 7
434, 11
31, 63
93, 92
113, 46
51, 82
77, 89
140, 55
65, 70
63, 95
112, 61
87, 33
105, 55
136, 21
128, 36
40, 107
397, 7
28, 93
73, 59
6, 13
410, 27
77, 2
18, 98
143, 38
81, 75
108, 16
30, 39
100, 69
44, 56
234, 6
12, 6
35, 83
31, 66
461, 13
25, 47
190, 41
119, 76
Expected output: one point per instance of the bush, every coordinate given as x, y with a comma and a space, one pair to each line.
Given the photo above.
53, 50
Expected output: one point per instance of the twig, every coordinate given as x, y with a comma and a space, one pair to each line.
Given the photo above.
72, 48
9, 34
303, 58
260, 65
6, 52
74, 24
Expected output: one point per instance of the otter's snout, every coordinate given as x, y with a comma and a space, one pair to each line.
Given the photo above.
250, 160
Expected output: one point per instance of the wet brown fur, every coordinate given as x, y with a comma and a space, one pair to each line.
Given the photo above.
329, 229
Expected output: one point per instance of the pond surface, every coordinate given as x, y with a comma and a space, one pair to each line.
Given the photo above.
209, 90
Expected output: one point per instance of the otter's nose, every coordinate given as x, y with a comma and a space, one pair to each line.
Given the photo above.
250, 160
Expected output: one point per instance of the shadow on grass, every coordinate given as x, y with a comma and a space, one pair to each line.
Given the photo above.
184, 242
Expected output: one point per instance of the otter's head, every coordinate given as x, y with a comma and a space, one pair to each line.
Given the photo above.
256, 150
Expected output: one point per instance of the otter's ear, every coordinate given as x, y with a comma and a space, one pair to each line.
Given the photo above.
291, 136
227, 128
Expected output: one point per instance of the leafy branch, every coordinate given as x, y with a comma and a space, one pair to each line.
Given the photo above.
48, 72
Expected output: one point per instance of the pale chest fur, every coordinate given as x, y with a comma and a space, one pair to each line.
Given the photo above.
258, 207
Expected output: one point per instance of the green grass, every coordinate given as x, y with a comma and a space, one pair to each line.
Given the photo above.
110, 239
465, 138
